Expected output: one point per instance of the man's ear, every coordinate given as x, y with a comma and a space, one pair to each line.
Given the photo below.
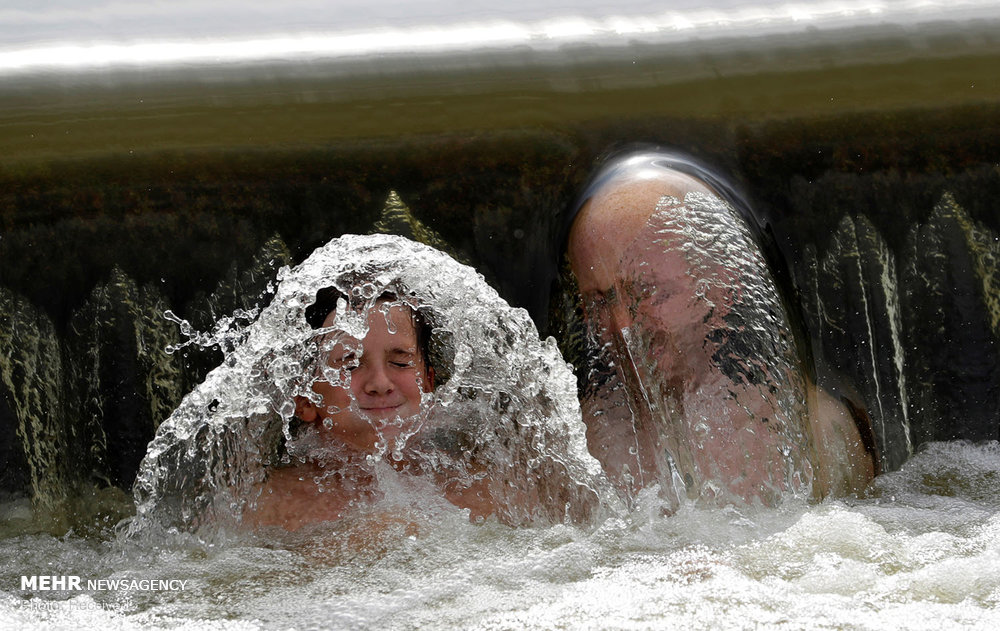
306, 409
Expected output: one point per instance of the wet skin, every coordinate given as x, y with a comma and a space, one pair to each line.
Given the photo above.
371, 390
670, 406
388, 377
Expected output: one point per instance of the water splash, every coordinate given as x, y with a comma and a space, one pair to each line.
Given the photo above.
507, 399
707, 377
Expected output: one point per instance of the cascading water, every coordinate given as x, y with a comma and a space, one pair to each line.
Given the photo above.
31, 371
870, 306
506, 405
695, 366
858, 306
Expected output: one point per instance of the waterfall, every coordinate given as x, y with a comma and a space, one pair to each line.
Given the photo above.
124, 385
79, 406
31, 378
915, 330
984, 246
950, 298
860, 329
692, 344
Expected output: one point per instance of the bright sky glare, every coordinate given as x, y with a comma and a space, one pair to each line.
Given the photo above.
76, 34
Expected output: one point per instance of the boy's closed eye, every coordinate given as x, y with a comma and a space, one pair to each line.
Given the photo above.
345, 361
403, 359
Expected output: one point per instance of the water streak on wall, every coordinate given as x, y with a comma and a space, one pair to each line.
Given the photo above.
31, 378
914, 331
81, 406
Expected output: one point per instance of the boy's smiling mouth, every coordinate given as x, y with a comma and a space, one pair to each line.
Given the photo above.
381, 410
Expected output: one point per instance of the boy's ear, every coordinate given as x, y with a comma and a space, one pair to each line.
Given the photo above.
306, 409
430, 378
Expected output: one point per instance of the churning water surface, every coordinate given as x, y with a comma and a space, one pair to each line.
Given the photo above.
920, 551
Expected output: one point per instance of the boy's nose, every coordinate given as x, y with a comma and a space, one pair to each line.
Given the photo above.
377, 381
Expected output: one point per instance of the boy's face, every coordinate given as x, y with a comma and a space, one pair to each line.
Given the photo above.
387, 380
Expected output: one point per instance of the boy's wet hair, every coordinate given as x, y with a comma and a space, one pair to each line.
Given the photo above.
326, 301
